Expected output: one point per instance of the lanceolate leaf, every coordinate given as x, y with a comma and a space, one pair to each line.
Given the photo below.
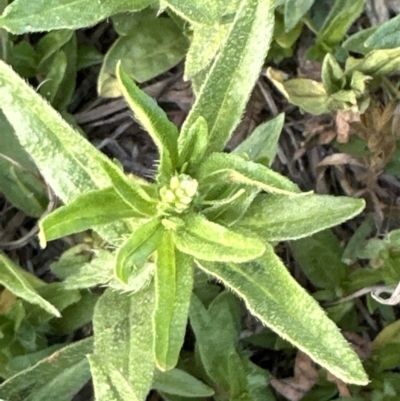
15, 279
108, 382
95, 207
339, 20
179, 382
130, 190
45, 15
285, 217
58, 377
67, 161
198, 12
134, 253
124, 340
224, 93
262, 145
173, 283
274, 297
294, 11
235, 169
376, 62
154, 121
210, 241
213, 347
192, 144
386, 35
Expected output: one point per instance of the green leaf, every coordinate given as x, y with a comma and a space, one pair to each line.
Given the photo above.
19, 177
386, 35
79, 268
23, 16
212, 345
146, 31
14, 278
58, 377
224, 92
309, 95
133, 255
109, 384
262, 145
192, 144
199, 12
66, 90
356, 42
179, 382
375, 63
49, 45
332, 75
285, 217
88, 56
154, 121
319, 257
22, 56
76, 315
234, 200
55, 76
206, 240
340, 18
173, 283
123, 341
84, 212
294, 11
233, 168
67, 161
276, 299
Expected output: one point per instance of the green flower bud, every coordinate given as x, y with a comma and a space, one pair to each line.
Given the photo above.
178, 195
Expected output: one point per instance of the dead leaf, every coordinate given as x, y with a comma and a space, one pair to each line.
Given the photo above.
305, 376
343, 119
341, 385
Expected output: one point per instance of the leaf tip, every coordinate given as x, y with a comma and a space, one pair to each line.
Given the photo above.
42, 236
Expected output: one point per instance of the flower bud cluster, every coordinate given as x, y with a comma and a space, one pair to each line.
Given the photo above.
179, 194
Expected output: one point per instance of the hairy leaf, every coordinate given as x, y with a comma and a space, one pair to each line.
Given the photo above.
136, 250
84, 212
57, 377
19, 177
173, 283
285, 217
15, 279
109, 383
199, 12
67, 161
234, 168
23, 16
274, 297
123, 341
154, 121
210, 241
224, 93
192, 144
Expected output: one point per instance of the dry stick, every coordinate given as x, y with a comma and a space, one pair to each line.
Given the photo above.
375, 291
